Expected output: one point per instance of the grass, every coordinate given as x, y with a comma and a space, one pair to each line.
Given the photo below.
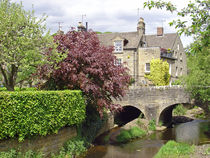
128, 135
173, 149
179, 110
152, 125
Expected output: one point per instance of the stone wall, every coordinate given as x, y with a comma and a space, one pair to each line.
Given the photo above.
46, 144
109, 124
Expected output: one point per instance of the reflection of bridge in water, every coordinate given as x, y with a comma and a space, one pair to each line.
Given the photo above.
155, 102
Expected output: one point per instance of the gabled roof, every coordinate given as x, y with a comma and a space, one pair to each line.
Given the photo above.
165, 41
133, 38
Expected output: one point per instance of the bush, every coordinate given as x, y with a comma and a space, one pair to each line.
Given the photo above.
73, 147
31, 113
179, 110
124, 136
173, 149
14, 154
152, 125
127, 135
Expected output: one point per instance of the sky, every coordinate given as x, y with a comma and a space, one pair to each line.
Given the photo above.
103, 15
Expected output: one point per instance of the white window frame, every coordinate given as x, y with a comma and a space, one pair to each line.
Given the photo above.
118, 61
146, 67
118, 46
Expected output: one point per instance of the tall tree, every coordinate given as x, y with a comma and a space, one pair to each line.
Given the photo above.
22, 42
198, 78
88, 67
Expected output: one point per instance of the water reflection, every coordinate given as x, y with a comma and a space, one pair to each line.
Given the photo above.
197, 132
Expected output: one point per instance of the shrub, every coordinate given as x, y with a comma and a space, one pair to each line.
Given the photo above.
124, 136
14, 154
127, 135
152, 125
173, 149
136, 132
31, 113
159, 72
179, 110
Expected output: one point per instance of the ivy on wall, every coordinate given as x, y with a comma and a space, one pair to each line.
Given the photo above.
159, 72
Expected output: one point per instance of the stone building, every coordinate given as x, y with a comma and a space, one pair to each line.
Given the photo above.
136, 50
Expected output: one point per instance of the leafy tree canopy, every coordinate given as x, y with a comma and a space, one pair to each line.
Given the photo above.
198, 78
89, 67
23, 41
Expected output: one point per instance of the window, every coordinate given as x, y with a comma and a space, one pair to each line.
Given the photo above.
176, 71
178, 47
118, 62
118, 47
147, 67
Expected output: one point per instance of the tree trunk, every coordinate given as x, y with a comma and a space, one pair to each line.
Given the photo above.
9, 77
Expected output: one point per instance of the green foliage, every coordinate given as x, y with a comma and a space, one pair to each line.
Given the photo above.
127, 135
152, 125
19, 89
197, 81
73, 147
177, 82
28, 113
24, 40
159, 72
179, 110
207, 152
173, 149
92, 124
14, 154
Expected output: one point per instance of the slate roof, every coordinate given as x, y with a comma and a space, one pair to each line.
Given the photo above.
132, 37
165, 41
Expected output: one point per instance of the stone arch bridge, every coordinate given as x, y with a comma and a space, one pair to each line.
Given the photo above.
155, 102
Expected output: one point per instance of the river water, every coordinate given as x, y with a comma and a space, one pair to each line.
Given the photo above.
195, 132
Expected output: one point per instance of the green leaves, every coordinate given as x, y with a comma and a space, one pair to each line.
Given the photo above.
159, 72
30, 113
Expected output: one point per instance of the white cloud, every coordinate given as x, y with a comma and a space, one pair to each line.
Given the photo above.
102, 15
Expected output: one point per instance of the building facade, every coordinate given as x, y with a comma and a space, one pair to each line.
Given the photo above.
136, 50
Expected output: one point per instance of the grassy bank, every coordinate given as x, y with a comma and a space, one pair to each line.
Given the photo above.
128, 135
173, 149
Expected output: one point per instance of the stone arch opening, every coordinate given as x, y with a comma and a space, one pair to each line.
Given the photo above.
167, 118
166, 115
127, 114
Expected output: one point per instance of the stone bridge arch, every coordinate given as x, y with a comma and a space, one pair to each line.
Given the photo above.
155, 101
127, 114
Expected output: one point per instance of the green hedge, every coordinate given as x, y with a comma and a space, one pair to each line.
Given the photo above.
28, 113
19, 89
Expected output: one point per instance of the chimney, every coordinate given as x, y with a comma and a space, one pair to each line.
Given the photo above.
86, 26
159, 31
81, 27
141, 26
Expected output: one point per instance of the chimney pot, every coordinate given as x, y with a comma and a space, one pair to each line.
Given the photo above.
159, 31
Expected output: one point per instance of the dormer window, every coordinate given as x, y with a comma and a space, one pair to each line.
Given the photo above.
118, 46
